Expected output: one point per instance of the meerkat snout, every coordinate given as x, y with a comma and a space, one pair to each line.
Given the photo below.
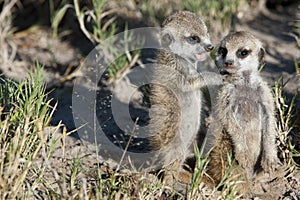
229, 63
209, 47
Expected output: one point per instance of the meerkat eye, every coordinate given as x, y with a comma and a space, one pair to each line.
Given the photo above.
193, 39
243, 53
222, 51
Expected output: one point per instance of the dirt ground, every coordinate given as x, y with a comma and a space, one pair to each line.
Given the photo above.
61, 56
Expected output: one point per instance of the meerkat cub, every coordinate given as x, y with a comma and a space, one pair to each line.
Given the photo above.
176, 98
243, 120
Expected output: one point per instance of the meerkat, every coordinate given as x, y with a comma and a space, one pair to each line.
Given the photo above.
243, 122
175, 114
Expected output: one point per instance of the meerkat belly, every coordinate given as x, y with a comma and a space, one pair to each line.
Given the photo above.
190, 116
246, 113
176, 131
246, 123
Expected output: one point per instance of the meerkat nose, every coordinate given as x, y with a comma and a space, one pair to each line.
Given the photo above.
228, 63
209, 48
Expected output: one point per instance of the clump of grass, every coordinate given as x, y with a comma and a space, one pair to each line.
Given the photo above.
229, 184
228, 188
56, 16
101, 30
7, 48
217, 14
296, 30
104, 30
287, 120
25, 111
97, 23
220, 11
125, 62
199, 171
91, 21
155, 11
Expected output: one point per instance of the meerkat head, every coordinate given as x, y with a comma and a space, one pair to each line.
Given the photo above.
185, 34
238, 52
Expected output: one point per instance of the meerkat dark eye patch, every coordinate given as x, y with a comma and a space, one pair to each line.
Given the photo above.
222, 51
243, 53
193, 39
261, 55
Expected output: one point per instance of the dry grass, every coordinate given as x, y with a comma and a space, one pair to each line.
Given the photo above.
7, 48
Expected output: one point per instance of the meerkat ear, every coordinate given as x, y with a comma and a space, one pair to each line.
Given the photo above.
261, 55
166, 39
